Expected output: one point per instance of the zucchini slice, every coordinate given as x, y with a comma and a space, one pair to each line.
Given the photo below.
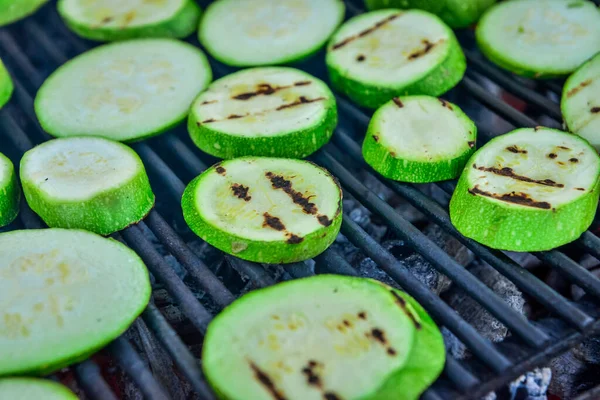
9, 192
528, 190
269, 210
124, 91
382, 54
540, 38
6, 85
34, 389
419, 139
269, 111
267, 32
86, 183
456, 13
65, 295
323, 337
106, 20
580, 103
14, 10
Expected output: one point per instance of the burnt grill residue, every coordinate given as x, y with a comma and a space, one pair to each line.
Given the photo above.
301, 100
577, 88
273, 222
513, 197
445, 104
508, 172
516, 149
267, 382
240, 191
402, 303
427, 46
365, 32
397, 102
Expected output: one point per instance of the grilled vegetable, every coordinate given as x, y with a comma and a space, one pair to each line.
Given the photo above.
269, 111
528, 190
13, 10
34, 389
540, 38
126, 91
117, 19
6, 85
86, 183
267, 32
456, 13
270, 210
9, 192
65, 295
324, 337
580, 102
419, 139
382, 54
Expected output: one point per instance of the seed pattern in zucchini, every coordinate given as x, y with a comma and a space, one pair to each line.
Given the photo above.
580, 102
324, 337
528, 190
34, 389
268, 111
14, 10
382, 54
267, 32
10, 193
419, 139
65, 295
269, 210
125, 91
86, 183
6, 85
106, 20
540, 38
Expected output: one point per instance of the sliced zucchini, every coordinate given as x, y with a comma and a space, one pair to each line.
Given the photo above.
65, 295
86, 183
382, 54
6, 85
106, 20
528, 190
10, 193
324, 337
14, 10
419, 139
540, 38
267, 32
123, 91
269, 111
34, 389
456, 13
269, 210
580, 102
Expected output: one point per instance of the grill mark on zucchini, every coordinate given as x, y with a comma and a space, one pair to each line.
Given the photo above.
426, 49
516, 149
312, 378
508, 172
267, 382
265, 89
209, 102
294, 239
241, 191
512, 197
301, 100
273, 222
402, 303
361, 58
398, 102
595, 110
445, 104
471, 143
577, 88
220, 170
365, 32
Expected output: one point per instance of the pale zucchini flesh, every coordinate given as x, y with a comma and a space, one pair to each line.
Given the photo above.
269, 210
6, 85
10, 193
65, 295
126, 90
529, 190
268, 111
33, 389
14, 10
86, 183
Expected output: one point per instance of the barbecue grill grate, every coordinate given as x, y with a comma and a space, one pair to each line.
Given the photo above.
33, 48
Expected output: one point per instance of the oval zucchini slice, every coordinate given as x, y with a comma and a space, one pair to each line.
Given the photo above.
86, 183
528, 190
540, 38
268, 32
128, 90
419, 139
10, 193
323, 337
269, 111
13, 10
106, 20
269, 210
382, 54
34, 389
65, 295
580, 103
6, 85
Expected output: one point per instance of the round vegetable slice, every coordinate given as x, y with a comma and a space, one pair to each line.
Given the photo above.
456, 13
9, 192
270, 210
6, 85
269, 111
105, 20
86, 183
540, 38
65, 294
382, 54
128, 90
266, 32
580, 102
303, 339
34, 389
528, 190
12, 10
419, 139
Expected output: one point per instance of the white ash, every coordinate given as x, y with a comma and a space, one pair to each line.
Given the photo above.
531, 386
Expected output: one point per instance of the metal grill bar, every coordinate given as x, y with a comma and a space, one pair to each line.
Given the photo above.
88, 376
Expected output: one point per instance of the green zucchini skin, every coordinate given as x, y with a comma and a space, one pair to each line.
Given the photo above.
6, 85
181, 25
32, 388
10, 195
14, 10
